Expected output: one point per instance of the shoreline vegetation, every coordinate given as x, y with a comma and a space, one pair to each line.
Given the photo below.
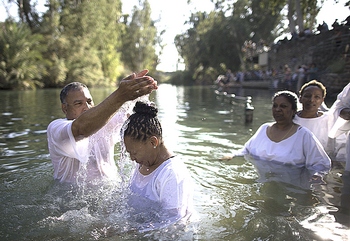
75, 41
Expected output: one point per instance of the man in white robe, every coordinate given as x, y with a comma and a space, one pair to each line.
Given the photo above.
82, 144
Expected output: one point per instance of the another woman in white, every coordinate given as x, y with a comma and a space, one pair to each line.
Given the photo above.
285, 142
311, 96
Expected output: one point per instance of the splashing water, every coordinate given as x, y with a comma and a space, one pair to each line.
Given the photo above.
100, 208
123, 171
231, 202
109, 198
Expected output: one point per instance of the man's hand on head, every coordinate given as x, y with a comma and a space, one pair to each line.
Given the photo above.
136, 85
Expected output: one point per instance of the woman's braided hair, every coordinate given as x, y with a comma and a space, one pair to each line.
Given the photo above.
143, 123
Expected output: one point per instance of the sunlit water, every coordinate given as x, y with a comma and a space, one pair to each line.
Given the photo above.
232, 201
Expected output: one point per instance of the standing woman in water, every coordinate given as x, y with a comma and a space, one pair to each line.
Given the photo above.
311, 96
285, 142
160, 177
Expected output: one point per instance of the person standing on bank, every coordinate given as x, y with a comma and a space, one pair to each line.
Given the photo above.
285, 142
160, 178
83, 142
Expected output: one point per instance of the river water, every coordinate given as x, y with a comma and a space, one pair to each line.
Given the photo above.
232, 201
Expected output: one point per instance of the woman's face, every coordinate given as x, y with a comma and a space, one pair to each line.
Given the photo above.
282, 109
142, 152
312, 98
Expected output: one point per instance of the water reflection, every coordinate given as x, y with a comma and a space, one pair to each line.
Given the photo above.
232, 199
342, 214
270, 171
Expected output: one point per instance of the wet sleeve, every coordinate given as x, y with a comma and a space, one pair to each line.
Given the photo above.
62, 142
317, 160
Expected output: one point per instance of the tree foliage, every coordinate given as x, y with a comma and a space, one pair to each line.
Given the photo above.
93, 42
87, 38
20, 59
214, 41
83, 41
27, 13
300, 14
140, 40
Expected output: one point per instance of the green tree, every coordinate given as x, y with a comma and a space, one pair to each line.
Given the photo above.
300, 13
27, 13
140, 40
84, 40
215, 40
57, 46
101, 26
20, 59
93, 31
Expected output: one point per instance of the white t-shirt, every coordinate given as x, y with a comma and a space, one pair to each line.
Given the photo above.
169, 186
302, 149
90, 157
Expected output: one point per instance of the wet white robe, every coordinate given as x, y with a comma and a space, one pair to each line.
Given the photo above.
91, 157
302, 149
169, 187
320, 126
342, 126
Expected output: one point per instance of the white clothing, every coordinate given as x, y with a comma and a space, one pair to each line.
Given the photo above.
343, 101
347, 165
279, 172
90, 157
169, 186
320, 127
302, 149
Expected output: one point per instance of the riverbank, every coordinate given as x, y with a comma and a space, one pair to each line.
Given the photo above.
329, 51
332, 92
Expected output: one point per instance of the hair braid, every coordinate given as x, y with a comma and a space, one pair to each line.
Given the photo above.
143, 123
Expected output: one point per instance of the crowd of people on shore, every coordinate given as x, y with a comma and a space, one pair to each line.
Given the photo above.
291, 75
292, 80
279, 79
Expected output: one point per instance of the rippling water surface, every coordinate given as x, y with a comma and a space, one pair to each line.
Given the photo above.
232, 201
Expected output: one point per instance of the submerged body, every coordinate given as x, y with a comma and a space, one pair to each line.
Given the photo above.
160, 181
169, 188
301, 149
